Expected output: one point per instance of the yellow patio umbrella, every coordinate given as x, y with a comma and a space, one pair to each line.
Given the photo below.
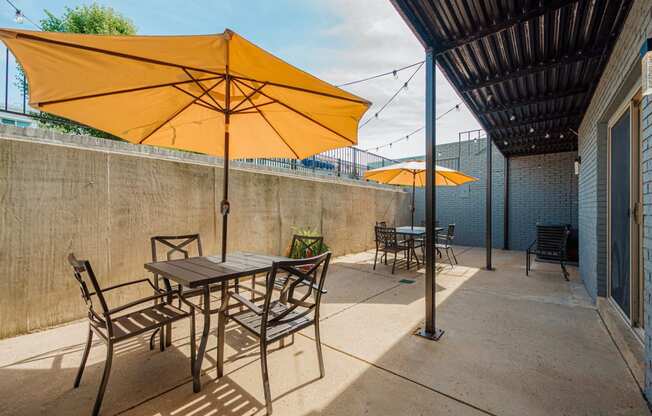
215, 94
414, 173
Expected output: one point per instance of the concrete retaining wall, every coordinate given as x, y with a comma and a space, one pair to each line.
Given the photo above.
103, 200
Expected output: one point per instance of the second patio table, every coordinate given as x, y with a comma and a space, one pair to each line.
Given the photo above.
196, 272
412, 233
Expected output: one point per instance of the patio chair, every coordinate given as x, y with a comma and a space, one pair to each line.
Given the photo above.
120, 323
550, 245
293, 311
445, 244
387, 242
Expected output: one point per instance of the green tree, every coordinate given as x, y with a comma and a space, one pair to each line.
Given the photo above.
90, 19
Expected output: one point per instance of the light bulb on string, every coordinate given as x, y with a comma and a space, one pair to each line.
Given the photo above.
18, 17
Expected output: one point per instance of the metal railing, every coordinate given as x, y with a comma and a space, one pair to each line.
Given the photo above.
348, 162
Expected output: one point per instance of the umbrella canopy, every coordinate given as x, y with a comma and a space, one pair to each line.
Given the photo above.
215, 94
173, 91
414, 173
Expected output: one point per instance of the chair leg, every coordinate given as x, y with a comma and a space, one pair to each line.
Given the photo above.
527, 263
394, 264
253, 288
448, 256
564, 271
454, 258
105, 379
320, 356
376, 259
263, 367
84, 358
151, 339
193, 342
161, 338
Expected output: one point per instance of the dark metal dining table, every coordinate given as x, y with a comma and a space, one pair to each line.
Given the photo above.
414, 232
202, 272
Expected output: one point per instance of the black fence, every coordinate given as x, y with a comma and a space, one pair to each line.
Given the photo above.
348, 162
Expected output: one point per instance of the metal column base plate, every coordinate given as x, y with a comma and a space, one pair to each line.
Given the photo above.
432, 336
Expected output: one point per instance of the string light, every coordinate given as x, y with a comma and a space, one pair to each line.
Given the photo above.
393, 72
404, 86
20, 17
407, 136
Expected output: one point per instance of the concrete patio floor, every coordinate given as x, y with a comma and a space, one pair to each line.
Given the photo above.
514, 345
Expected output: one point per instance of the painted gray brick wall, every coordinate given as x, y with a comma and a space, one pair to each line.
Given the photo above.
542, 189
464, 205
555, 199
646, 172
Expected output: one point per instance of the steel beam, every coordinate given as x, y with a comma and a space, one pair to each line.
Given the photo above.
506, 206
488, 224
430, 330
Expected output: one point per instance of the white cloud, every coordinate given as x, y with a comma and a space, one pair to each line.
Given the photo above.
371, 38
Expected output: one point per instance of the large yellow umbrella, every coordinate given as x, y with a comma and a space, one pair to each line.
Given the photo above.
215, 94
414, 173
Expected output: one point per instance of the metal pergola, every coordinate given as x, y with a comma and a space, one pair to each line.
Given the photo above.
526, 69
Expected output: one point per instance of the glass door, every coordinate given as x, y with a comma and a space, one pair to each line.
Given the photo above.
619, 212
625, 232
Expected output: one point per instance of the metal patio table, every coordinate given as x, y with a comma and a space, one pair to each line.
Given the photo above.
196, 272
414, 232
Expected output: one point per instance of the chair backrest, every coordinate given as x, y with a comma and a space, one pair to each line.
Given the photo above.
450, 233
552, 240
306, 246
381, 223
176, 246
386, 236
83, 273
303, 274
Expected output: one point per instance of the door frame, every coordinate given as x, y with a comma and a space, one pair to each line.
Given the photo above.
635, 319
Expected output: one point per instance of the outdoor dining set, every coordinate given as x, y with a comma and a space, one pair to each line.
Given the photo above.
285, 300
407, 239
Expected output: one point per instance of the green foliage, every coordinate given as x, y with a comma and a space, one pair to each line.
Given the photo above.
302, 252
89, 19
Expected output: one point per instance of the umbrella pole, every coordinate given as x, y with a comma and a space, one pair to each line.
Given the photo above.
412, 208
224, 205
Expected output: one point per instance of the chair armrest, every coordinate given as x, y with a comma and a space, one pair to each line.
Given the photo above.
531, 245
314, 286
139, 301
246, 302
119, 285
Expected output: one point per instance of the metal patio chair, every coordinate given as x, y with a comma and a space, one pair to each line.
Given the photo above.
296, 308
387, 242
445, 244
550, 245
120, 323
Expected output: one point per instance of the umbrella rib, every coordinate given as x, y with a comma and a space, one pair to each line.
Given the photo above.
200, 101
176, 113
292, 87
203, 89
247, 98
268, 122
116, 92
246, 109
303, 115
113, 53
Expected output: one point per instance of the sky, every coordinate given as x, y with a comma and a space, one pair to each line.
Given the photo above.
336, 40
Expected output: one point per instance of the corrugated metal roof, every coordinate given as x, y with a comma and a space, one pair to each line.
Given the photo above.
527, 69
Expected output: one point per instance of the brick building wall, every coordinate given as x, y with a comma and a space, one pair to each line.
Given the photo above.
555, 199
